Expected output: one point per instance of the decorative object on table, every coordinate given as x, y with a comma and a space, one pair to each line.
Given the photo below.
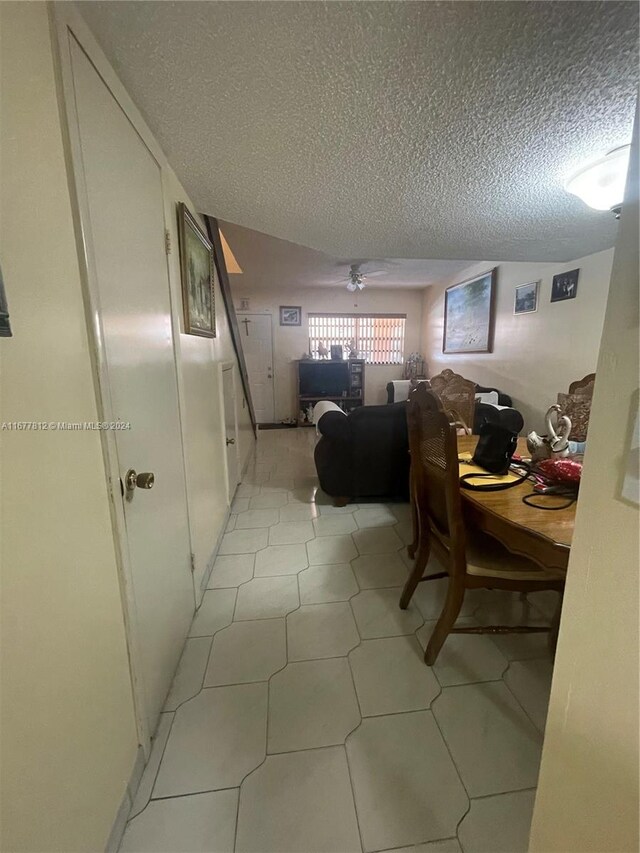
336, 352
196, 272
526, 300
564, 286
469, 309
306, 356
323, 352
556, 442
290, 315
414, 366
353, 348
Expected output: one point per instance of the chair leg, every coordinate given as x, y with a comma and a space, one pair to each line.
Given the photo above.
450, 611
420, 564
340, 501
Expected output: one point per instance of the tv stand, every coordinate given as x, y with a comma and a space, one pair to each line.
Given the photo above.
352, 398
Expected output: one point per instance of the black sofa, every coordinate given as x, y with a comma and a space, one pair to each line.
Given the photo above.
485, 412
364, 454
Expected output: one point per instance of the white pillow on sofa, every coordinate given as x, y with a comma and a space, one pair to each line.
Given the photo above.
490, 397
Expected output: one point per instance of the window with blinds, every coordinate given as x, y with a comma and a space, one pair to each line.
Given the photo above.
378, 338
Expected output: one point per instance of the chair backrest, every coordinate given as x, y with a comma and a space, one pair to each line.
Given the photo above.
435, 474
583, 387
458, 396
577, 406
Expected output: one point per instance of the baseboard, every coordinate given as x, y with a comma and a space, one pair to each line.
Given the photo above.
122, 815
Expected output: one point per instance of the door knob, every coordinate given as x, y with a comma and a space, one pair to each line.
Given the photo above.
141, 481
231, 441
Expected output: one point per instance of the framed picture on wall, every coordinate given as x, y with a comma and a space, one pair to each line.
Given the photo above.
526, 301
564, 286
469, 309
290, 315
196, 272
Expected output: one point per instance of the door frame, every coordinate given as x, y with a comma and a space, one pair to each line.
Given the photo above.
268, 314
67, 25
224, 367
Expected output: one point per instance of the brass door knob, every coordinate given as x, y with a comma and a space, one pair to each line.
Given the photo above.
231, 441
141, 481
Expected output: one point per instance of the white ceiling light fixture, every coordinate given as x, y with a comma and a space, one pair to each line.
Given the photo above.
601, 184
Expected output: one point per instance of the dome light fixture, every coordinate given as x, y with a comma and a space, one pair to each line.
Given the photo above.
601, 183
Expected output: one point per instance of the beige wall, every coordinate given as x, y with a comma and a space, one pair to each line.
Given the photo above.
290, 342
588, 795
537, 355
68, 730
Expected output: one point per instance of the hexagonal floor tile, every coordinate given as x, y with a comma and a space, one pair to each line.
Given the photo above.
495, 745
500, 824
321, 631
216, 739
390, 676
231, 570
379, 570
267, 598
244, 541
378, 614
374, 515
323, 584
280, 560
256, 518
190, 673
311, 704
247, 651
299, 801
198, 823
406, 787
291, 532
331, 549
334, 525
215, 612
530, 683
376, 540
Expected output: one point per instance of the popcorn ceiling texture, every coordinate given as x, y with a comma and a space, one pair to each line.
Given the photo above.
386, 129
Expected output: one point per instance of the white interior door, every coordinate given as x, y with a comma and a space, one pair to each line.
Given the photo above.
231, 431
125, 239
257, 344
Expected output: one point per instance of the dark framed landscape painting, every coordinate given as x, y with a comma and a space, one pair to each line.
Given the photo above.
196, 272
469, 314
526, 301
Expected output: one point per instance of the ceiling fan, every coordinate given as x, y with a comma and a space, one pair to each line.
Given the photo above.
356, 278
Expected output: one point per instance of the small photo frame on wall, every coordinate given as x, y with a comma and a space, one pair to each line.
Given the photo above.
290, 315
564, 286
526, 300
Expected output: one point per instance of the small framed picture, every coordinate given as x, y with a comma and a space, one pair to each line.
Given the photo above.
290, 315
526, 301
564, 286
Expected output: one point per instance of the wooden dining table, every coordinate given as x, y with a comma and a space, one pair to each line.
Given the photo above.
543, 536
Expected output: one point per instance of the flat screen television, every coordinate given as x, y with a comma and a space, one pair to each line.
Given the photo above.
324, 378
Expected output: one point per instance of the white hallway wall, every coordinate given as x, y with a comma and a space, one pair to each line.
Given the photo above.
68, 729
69, 739
290, 342
535, 356
588, 792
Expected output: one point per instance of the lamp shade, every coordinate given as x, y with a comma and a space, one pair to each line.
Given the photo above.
601, 184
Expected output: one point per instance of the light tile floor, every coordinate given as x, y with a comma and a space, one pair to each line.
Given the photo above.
302, 717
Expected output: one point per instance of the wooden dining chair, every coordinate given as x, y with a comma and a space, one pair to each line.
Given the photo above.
469, 558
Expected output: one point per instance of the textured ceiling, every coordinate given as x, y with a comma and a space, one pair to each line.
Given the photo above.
386, 129
271, 263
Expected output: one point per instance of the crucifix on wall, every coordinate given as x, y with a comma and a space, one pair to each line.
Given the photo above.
246, 322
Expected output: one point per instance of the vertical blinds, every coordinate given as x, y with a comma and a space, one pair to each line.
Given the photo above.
379, 339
